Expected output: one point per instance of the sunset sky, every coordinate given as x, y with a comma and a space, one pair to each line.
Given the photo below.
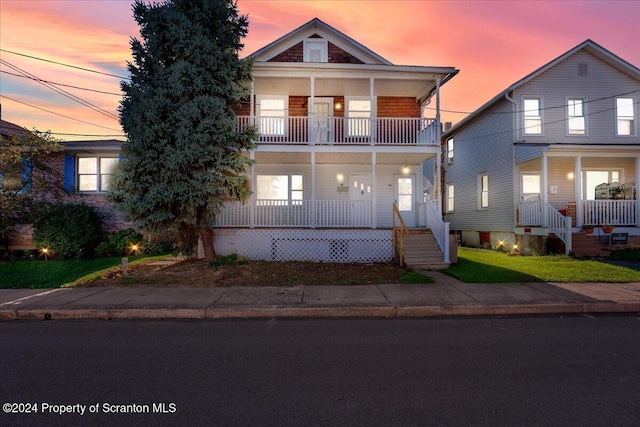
492, 43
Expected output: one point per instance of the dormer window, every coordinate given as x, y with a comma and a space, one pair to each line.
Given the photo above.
315, 50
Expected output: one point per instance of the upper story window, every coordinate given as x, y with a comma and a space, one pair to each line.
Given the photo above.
315, 50
450, 151
626, 116
576, 116
272, 113
95, 173
483, 191
532, 113
450, 198
358, 112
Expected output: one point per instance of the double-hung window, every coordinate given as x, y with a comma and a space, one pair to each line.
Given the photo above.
358, 116
450, 198
576, 116
532, 116
626, 111
95, 173
450, 151
272, 115
483, 191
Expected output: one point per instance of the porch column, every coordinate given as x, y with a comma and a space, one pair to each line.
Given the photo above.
577, 175
372, 115
312, 111
374, 191
438, 178
313, 190
252, 198
545, 189
252, 102
636, 188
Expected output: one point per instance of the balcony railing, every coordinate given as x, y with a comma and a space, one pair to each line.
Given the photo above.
296, 213
612, 212
340, 130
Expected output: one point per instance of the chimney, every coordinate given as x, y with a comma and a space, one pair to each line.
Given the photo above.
447, 126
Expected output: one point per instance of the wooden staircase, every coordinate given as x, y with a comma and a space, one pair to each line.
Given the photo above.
421, 251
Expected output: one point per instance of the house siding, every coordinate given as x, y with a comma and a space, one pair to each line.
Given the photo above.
485, 147
335, 54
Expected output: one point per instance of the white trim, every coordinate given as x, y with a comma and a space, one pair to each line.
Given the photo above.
524, 127
584, 116
634, 104
259, 99
308, 47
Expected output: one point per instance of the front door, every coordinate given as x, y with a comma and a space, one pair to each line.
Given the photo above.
406, 198
530, 210
360, 194
321, 128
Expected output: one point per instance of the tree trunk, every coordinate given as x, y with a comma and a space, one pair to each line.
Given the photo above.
206, 234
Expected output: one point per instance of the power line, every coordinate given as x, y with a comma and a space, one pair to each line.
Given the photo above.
64, 65
61, 91
60, 84
57, 114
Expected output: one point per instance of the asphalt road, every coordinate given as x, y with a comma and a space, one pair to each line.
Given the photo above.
499, 371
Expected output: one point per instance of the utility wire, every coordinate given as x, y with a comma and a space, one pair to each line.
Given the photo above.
64, 65
60, 84
62, 92
57, 114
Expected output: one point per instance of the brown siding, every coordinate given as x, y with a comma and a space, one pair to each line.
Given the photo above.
294, 54
339, 56
336, 55
398, 107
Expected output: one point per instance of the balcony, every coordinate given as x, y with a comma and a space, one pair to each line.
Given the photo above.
327, 130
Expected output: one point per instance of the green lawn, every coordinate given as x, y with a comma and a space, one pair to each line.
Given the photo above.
485, 266
53, 274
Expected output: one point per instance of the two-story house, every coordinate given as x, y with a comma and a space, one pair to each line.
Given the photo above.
342, 139
555, 151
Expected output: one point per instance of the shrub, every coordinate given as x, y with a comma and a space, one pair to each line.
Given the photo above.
70, 230
119, 243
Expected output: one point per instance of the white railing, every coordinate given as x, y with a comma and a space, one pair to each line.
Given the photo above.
429, 216
611, 212
530, 213
341, 130
559, 224
296, 213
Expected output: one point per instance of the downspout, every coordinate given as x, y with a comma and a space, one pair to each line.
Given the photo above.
514, 123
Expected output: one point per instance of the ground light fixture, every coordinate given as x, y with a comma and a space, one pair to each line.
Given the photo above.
45, 252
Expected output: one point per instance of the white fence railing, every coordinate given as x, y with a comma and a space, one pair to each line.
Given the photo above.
343, 130
538, 213
428, 216
611, 212
296, 213
530, 213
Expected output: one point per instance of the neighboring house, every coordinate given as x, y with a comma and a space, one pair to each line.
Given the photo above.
560, 143
342, 138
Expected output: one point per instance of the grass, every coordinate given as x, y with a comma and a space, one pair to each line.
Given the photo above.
485, 266
55, 274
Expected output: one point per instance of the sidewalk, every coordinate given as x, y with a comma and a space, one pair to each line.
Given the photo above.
446, 297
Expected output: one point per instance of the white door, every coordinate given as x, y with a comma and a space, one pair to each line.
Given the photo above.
530, 187
406, 198
322, 129
360, 194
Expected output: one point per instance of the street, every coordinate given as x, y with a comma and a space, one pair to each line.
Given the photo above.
555, 370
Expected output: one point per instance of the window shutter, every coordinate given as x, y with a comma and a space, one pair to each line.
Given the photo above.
69, 173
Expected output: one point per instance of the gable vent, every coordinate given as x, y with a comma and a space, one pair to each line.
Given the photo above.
583, 70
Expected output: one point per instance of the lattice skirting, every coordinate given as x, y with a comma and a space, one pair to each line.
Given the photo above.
315, 245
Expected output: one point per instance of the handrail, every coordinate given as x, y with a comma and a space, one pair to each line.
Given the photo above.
439, 228
559, 224
398, 235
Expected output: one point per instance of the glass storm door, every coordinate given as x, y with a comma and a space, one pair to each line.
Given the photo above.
405, 198
322, 129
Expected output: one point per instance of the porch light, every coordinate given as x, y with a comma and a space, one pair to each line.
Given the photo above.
570, 176
340, 177
338, 106
405, 169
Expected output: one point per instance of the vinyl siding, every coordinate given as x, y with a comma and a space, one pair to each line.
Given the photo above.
485, 146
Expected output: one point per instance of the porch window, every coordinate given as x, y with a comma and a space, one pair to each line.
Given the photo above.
450, 151
95, 173
592, 178
532, 113
576, 116
450, 198
272, 112
483, 190
358, 116
288, 188
625, 116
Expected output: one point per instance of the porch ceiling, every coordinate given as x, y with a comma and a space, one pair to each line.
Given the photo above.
276, 157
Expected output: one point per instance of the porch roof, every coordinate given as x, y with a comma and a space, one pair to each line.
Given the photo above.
353, 155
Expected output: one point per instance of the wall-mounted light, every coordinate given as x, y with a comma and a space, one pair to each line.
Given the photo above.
570, 176
405, 169
337, 106
340, 177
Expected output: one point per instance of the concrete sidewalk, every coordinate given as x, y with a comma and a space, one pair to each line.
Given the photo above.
446, 297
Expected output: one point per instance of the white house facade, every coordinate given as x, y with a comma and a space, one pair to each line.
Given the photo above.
555, 151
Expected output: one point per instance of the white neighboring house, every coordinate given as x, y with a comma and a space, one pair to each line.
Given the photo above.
342, 138
554, 151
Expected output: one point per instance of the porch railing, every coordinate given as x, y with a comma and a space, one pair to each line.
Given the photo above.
428, 216
538, 213
343, 130
612, 212
397, 237
296, 213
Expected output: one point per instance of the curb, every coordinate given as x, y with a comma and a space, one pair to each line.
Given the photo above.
318, 312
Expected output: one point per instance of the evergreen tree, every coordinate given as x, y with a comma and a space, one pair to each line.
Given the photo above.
184, 156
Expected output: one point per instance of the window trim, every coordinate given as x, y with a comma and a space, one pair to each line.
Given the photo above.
583, 191
584, 115
449, 152
347, 110
285, 115
540, 117
99, 174
290, 190
451, 198
482, 191
634, 118
324, 50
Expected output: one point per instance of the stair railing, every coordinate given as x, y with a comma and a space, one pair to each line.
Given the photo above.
399, 231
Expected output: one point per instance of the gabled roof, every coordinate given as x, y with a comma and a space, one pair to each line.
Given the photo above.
8, 128
588, 46
316, 26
